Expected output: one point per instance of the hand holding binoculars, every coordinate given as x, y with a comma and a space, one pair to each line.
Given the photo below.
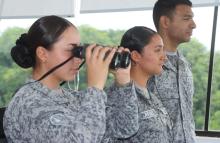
119, 60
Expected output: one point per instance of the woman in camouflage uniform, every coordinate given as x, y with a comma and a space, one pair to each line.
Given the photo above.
41, 111
140, 118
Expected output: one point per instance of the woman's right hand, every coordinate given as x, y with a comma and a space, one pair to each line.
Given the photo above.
97, 65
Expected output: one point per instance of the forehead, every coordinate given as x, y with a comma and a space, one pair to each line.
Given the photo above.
155, 41
156, 38
183, 10
70, 35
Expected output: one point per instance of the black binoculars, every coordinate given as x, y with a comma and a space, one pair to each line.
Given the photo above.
119, 60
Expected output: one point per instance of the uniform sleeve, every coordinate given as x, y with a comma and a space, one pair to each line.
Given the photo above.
122, 112
82, 121
90, 102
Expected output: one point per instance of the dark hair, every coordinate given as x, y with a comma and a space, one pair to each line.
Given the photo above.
137, 38
44, 32
166, 8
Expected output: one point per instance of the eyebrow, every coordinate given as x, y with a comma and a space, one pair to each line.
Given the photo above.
73, 44
159, 46
188, 15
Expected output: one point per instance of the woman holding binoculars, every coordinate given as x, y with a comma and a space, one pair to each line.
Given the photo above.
41, 110
141, 118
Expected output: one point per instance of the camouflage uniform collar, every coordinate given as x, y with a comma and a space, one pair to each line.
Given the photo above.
142, 91
181, 59
36, 85
59, 96
169, 66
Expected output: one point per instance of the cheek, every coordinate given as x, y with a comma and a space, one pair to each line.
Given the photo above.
55, 59
150, 59
151, 62
147, 64
72, 64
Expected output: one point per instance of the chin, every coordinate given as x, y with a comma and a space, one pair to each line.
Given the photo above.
159, 71
187, 39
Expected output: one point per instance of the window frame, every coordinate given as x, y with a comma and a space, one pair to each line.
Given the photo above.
206, 132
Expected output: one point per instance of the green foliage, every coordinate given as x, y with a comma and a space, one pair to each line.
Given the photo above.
92, 35
198, 56
8, 38
11, 79
215, 95
5, 60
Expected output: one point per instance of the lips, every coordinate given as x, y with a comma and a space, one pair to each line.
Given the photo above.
161, 64
74, 69
189, 33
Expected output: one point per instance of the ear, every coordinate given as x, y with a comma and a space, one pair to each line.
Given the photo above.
164, 22
41, 54
135, 56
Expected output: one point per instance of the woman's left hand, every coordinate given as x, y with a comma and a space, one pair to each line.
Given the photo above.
122, 75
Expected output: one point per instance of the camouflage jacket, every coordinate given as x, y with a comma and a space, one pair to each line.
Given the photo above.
136, 118
37, 114
174, 87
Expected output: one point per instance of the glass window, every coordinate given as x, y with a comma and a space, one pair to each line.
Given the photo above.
214, 123
11, 76
197, 52
107, 28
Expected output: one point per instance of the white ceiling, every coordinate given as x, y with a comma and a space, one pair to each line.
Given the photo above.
38, 8
35, 8
88, 6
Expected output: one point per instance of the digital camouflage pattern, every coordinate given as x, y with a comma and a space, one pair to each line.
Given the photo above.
136, 118
37, 114
174, 87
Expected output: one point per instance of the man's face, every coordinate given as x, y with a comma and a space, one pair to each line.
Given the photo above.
181, 24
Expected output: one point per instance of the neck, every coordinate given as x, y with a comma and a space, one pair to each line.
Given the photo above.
139, 77
50, 81
170, 45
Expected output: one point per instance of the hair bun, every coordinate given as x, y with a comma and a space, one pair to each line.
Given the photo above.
23, 40
21, 52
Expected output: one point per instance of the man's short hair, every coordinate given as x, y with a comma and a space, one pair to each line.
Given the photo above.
166, 8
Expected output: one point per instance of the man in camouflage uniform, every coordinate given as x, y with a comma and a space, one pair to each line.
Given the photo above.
174, 87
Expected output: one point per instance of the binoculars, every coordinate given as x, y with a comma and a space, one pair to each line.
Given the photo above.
119, 60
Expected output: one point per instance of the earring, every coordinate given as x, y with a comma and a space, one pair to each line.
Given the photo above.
44, 60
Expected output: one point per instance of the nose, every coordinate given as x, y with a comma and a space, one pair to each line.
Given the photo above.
164, 56
193, 24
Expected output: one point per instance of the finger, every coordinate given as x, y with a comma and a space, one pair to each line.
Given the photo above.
110, 56
96, 51
89, 51
127, 50
103, 52
120, 49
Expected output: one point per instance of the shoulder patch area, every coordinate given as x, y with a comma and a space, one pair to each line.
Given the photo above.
60, 119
